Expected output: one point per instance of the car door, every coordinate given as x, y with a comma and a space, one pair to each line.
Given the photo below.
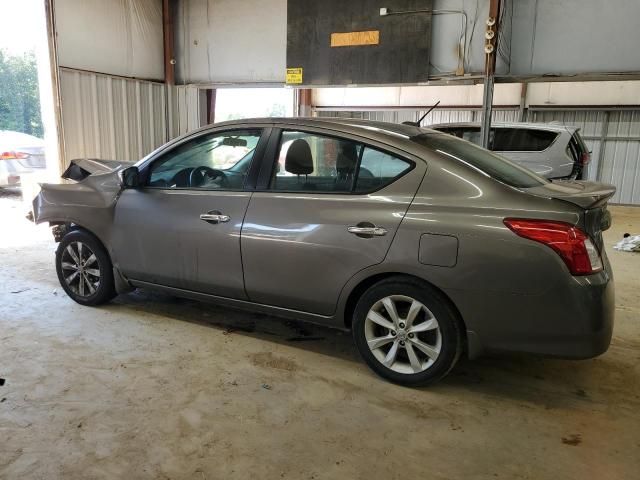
181, 228
326, 207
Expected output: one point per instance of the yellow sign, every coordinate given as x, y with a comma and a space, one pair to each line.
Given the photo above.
294, 75
351, 39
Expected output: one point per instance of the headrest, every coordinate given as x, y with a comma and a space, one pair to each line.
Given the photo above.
298, 160
347, 158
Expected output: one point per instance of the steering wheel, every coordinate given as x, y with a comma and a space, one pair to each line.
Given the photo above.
199, 175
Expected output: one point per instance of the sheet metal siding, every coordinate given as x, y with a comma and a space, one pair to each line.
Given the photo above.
183, 109
436, 116
110, 117
617, 133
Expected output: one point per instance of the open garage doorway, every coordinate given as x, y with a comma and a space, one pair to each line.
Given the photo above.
235, 103
28, 134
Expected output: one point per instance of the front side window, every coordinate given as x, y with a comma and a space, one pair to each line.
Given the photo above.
215, 161
308, 162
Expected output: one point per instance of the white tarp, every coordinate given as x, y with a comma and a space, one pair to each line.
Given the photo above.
117, 37
630, 243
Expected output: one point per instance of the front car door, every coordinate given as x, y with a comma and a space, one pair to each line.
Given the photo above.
181, 228
328, 207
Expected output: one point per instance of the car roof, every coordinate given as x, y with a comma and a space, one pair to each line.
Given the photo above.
394, 134
367, 128
552, 127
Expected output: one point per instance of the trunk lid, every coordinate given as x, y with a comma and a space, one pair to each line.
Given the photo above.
592, 197
584, 194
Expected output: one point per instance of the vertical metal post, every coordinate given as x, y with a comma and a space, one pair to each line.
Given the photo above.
487, 108
522, 112
167, 34
604, 133
491, 45
304, 102
53, 121
211, 105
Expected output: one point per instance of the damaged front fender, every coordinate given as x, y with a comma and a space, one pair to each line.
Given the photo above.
90, 203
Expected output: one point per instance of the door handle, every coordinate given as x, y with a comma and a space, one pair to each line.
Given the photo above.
214, 217
367, 231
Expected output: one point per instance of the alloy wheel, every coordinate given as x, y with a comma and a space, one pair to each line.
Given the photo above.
81, 269
403, 334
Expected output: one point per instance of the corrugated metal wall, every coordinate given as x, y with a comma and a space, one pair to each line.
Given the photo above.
613, 136
109, 117
436, 116
183, 109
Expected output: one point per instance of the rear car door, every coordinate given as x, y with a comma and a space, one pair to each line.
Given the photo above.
327, 205
181, 228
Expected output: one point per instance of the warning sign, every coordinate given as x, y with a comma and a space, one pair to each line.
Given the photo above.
294, 75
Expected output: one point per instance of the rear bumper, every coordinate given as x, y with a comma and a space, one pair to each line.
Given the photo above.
572, 320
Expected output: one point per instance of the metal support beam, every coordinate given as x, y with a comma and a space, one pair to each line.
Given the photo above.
304, 102
491, 45
487, 109
57, 124
167, 34
603, 143
523, 111
211, 105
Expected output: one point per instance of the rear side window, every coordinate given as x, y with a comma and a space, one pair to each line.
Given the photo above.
378, 169
521, 140
491, 164
308, 162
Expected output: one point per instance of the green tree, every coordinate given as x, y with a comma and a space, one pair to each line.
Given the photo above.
19, 96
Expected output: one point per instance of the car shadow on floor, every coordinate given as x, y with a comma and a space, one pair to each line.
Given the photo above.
232, 321
553, 383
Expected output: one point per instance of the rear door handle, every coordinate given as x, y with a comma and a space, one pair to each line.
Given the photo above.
214, 217
367, 231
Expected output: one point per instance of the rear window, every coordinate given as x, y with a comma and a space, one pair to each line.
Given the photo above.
521, 140
493, 165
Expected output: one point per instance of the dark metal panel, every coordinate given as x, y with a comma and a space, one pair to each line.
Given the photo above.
402, 56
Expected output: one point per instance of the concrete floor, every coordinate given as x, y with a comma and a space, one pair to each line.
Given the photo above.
156, 387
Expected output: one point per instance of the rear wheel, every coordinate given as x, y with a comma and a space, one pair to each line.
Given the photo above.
84, 269
407, 332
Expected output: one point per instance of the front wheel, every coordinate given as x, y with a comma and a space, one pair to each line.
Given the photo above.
407, 332
84, 269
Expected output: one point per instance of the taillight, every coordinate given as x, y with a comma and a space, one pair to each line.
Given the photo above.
572, 244
13, 155
585, 158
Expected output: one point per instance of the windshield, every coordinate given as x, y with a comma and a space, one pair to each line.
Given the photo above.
487, 162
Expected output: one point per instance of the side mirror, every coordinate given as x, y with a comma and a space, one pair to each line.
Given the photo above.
130, 177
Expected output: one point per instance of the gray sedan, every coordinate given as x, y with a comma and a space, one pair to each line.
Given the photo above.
424, 245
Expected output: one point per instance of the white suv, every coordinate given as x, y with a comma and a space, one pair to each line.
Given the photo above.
552, 151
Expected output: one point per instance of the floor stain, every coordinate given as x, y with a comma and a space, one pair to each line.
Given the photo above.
268, 359
573, 440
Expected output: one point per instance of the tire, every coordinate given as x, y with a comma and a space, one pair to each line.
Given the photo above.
92, 283
426, 348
